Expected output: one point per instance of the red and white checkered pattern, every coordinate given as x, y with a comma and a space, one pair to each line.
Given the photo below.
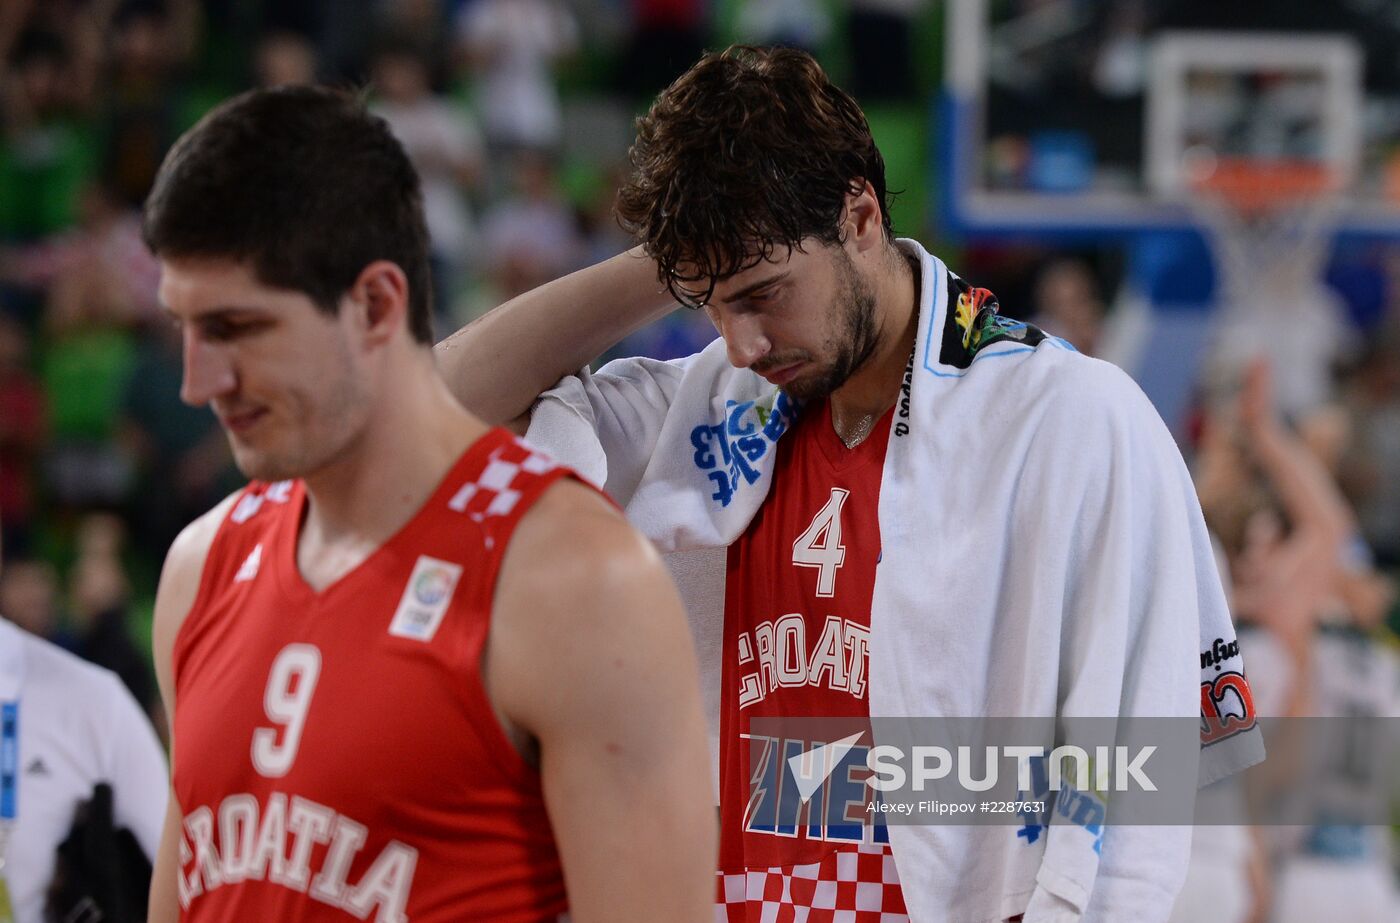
498, 488
255, 496
857, 885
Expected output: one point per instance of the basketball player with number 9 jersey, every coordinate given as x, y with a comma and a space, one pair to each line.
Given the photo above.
416, 670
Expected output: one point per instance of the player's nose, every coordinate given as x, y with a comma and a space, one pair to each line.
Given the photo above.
208, 372
745, 340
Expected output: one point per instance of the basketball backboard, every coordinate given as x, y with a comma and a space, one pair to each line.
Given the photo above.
1088, 117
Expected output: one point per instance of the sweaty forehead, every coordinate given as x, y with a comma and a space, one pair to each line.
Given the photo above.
696, 279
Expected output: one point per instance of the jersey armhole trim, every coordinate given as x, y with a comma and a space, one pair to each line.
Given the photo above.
488, 720
179, 648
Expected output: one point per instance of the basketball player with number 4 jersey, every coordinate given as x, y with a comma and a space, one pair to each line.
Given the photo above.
417, 671
922, 508
796, 642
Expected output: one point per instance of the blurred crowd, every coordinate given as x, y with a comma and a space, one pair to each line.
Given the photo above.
518, 114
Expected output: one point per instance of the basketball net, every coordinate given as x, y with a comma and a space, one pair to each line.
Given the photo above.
1269, 223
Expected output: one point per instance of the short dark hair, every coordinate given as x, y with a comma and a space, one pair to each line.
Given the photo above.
749, 150
303, 183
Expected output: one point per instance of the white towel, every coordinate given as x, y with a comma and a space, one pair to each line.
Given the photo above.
1043, 553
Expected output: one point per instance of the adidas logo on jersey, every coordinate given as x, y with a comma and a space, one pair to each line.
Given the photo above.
250, 566
37, 767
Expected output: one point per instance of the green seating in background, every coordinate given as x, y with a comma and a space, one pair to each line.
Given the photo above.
901, 132
84, 374
42, 176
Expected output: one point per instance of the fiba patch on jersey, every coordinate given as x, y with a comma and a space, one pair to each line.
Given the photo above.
425, 599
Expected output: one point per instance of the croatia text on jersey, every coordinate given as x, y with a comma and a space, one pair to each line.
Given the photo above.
273, 842
777, 655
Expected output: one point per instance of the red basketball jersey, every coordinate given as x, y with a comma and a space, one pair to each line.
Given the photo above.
336, 755
796, 644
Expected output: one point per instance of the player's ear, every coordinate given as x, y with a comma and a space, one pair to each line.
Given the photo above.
862, 220
380, 296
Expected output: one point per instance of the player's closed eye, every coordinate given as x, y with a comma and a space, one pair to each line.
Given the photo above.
757, 301
226, 329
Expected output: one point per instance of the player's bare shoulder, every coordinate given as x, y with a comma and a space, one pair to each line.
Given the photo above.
179, 583
581, 596
572, 546
184, 562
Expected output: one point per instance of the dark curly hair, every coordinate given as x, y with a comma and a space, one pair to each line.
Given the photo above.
750, 150
304, 184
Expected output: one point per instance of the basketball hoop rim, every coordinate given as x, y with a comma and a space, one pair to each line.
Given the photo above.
1254, 186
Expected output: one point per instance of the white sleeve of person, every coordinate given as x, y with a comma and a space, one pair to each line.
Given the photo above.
605, 424
135, 763
683, 446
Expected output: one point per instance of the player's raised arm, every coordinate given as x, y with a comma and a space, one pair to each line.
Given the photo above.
179, 584
590, 655
1304, 486
498, 364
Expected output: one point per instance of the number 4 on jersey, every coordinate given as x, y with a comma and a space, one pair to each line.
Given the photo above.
820, 546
